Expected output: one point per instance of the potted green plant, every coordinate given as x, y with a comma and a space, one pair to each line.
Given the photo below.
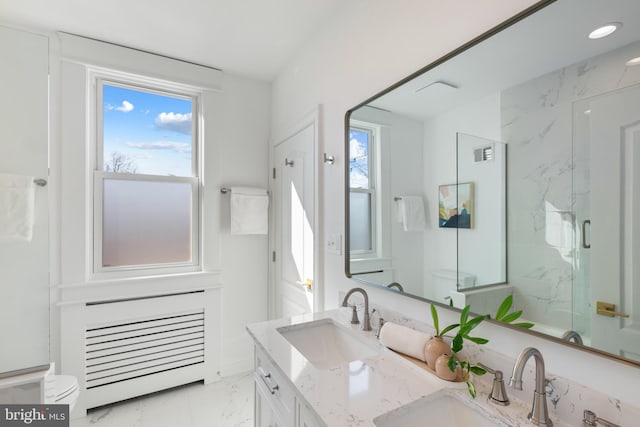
436, 346
459, 368
463, 368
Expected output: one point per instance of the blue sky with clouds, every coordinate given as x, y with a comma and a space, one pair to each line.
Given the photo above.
359, 158
151, 129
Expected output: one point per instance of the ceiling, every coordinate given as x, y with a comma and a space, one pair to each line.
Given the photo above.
254, 38
551, 39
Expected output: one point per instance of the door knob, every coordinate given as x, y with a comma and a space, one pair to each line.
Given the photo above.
608, 309
307, 284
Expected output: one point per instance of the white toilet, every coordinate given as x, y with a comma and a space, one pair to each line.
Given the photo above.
443, 282
61, 389
66, 390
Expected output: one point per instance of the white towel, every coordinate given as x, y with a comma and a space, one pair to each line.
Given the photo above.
17, 201
404, 340
411, 211
249, 210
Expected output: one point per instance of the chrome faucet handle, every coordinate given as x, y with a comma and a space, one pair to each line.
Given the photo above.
354, 315
380, 325
498, 394
590, 419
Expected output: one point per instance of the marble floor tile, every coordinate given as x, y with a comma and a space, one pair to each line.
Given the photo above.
226, 403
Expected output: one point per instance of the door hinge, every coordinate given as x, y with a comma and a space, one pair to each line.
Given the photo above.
274, 173
273, 256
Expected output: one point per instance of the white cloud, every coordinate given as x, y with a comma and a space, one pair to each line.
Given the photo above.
176, 122
125, 107
356, 149
180, 147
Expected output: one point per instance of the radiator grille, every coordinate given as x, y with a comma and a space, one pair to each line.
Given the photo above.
128, 350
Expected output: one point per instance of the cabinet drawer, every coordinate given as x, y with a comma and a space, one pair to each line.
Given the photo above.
275, 384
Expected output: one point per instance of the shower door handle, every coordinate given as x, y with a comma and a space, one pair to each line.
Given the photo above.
584, 233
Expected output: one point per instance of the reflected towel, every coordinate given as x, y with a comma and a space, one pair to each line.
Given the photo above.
17, 200
411, 213
404, 340
249, 210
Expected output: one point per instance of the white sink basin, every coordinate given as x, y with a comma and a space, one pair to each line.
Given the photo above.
439, 409
325, 344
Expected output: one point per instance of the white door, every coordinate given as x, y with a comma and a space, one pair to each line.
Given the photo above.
615, 220
295, 222
24, 264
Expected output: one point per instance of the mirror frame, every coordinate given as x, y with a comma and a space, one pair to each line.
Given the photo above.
466, 46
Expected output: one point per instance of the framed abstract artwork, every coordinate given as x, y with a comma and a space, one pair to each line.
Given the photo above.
456, 205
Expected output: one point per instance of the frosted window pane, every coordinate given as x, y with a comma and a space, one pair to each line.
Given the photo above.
146, 223
360, 222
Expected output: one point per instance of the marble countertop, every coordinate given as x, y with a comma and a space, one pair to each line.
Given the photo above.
354, 393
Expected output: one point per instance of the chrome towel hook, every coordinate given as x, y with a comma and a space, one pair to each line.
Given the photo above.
329, 159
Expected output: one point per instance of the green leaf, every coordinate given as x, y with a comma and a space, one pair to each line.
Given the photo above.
449, 328
511, 317
477, 340
477, 370
452, 363
472, 389
434, 315
525, 325
504, 307
471, 324
457, 343
464, 315
450, 302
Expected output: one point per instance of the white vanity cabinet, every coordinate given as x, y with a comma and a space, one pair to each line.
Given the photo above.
276, 401
274, 395
305, 417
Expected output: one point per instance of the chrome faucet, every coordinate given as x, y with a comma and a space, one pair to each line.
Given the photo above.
395, 285
539, 414
573, 336
366, 322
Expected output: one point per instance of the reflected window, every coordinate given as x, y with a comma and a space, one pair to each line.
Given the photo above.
362, 194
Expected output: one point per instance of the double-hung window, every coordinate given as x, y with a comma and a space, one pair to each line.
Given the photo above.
146, 178
362, 190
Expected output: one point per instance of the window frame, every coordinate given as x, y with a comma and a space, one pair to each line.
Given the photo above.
98, 78
375, 173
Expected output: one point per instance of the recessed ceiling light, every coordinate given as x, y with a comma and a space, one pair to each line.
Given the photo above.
633, 61
604, 30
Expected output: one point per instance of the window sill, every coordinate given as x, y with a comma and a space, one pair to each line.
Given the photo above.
136, 287
363, 265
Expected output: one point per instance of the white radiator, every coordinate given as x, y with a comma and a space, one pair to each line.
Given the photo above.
128, 350
119, 349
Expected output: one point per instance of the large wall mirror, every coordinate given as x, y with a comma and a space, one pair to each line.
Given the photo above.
509, 167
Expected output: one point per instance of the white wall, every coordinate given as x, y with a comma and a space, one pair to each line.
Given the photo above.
235, 149
367, 47
244, 148
480, 118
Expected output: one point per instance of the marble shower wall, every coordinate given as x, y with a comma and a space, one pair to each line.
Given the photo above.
543, 192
